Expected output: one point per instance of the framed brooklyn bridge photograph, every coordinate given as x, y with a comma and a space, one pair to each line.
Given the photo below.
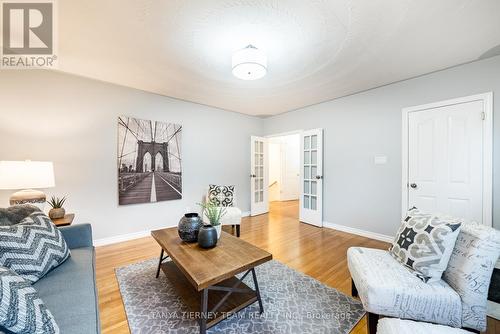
149, 161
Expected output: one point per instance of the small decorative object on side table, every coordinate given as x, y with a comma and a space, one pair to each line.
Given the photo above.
57, 210
64, 221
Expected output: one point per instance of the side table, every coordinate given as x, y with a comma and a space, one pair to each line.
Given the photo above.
65, 221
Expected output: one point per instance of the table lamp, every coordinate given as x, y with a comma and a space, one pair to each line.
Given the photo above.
27, 175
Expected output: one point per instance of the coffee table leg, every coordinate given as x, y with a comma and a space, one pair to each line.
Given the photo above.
159, 264
257, 291
204, 313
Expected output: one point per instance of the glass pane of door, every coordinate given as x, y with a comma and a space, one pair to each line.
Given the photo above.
307, 142
314, 142
306, 187
313, 202
314, 172
313, 187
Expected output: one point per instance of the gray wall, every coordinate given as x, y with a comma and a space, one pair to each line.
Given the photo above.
358, 193
73, 122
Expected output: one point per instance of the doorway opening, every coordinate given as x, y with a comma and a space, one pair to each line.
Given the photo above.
284, 175
297, 174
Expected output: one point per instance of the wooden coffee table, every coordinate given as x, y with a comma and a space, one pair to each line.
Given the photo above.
195, 272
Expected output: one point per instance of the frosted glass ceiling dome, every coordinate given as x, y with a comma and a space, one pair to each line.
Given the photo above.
249, 63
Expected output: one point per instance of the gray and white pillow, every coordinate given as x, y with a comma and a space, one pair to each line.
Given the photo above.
221, 195
21, 309
424, 243
33, 247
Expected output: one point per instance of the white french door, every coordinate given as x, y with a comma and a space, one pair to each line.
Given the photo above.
446, 167
311, 177
259, 174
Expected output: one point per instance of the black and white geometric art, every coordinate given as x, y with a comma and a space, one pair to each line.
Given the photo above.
149, 161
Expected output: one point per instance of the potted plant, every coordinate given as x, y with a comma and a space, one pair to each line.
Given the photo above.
57, 210
214, 214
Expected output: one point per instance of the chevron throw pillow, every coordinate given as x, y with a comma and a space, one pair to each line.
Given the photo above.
21, 309
33, 247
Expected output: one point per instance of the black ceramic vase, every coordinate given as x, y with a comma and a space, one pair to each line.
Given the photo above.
189, 226
207, 238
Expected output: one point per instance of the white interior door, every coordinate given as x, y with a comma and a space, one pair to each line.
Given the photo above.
445, 160
311, 177
259, 174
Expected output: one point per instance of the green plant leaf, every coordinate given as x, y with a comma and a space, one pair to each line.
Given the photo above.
57, 202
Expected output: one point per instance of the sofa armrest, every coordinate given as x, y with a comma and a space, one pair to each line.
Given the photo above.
77, 236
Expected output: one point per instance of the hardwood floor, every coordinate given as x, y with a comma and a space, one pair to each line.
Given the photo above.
317, 252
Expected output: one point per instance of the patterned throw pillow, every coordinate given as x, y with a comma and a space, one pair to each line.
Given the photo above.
469, 270
424, 243
33, 247
221, 195
21, 309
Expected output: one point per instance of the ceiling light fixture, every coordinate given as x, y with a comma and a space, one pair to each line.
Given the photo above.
249, 63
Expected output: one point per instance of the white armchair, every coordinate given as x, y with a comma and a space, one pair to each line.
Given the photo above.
387, 288
232, 216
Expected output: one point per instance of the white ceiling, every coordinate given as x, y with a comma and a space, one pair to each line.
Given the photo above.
317, 50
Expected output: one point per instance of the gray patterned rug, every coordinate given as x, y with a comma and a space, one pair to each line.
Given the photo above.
293, 303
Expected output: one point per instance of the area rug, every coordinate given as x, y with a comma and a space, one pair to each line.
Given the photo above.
293, 303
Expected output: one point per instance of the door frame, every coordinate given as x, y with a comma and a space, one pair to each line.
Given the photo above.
287, 133
487, 99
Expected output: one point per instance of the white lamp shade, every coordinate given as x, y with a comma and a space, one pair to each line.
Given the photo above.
249, 63
26, 174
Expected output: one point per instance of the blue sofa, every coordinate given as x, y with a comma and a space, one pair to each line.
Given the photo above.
69, 291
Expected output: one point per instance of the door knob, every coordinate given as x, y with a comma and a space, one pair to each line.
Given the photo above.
413, 185
319, 177
253, 175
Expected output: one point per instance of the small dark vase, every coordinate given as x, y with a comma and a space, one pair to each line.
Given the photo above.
207, 238
189, 226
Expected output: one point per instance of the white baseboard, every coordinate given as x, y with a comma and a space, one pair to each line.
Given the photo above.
121, 238
363, 233
135, 235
